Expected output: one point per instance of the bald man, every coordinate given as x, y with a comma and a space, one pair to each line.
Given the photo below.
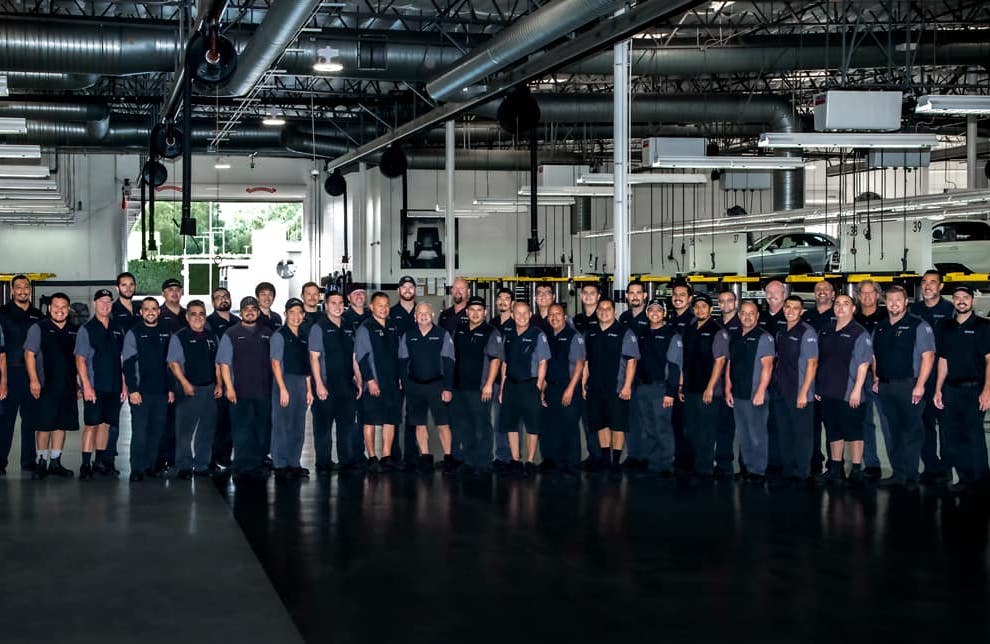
456, 314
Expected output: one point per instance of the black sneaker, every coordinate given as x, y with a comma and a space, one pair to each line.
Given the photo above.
40, 470
723, 475
100, 468
529, 469
872, 473
267, 462
425, 465
185, 475
449, 465
516, 468
283, 474
326, 468
300, 472
856, 477
55, 469
892, 482
756, 479
136, 477
590, 464
374, 466
86, 472
547, 465
499, 467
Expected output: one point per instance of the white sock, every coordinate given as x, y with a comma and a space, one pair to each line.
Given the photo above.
56, 453
43, 454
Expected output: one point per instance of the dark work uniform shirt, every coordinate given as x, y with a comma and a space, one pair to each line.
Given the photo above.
661, 357
609, 351
376, 348
746, 353
52, 348
683, 321
701, 347
566, 349
16, 322
474, 350
124, 319
523, 353
503, 326
583, 321
335, 344
899, 347
840, 354
819, 321
218, 326
934, 316
292, 350
196, 353
450, 319
869, 322
351, 319
272, 320
101, 347
772, 322
635, 323
401, 319
795, 347
246, 352
144, 355
734, 326
172, 321
541, 323
427, 357
965, 347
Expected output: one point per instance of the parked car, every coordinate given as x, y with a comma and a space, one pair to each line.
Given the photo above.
961, 246
793, 254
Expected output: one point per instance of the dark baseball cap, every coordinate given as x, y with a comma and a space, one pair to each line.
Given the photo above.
249, 300
964, 289
475, 300
407, 279
294, 302
658, 302
170, 282
103, 292
702, 297
354, 288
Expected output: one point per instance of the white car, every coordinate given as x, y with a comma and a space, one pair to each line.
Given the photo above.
961, 246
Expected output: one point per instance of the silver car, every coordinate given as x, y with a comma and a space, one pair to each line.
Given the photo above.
793, 254
961, 246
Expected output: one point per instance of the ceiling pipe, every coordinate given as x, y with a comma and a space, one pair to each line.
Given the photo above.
55, 111
208, 11
21, 81
523, 37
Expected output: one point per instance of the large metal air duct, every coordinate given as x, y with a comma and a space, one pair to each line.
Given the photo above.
20, 81
55, 111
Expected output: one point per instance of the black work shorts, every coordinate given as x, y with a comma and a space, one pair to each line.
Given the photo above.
842, 422
422, 399
607, 411
385, 409
520, 402
105, 411
57, 410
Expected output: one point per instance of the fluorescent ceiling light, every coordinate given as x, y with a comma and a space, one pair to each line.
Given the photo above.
21, 184
606, 179
541, 200
221, 165
730, 163
722, 5
16, 151
24, 171
961, 105
845, 140
325, 63
274, 119
568, 191
12, 125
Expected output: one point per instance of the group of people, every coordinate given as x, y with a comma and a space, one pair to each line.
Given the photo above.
676, 387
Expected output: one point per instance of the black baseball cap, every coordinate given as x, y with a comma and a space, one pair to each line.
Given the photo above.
657, 302
407, 279
702, 297
475, 300
249, 300
170, 282
354, 287
294, 302
103, 292
963, 289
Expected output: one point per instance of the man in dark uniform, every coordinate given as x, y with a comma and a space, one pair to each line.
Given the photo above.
16, 317
192, 355
590, 294
401, 316
125, 317
793, 389
503, 322
264, 292
53, 382
681, 318
845, 354
149, 386
456, 313
356, 311
728, 305
868, 314
821, 317
747, 380
426, 370
217, 323
560, 444
376, 347
705, 351
962, 391
98, 347
173, 315
336, 382
933, 309
726, 432
773, 318
478, 356
658, 373
523, 380
544, 298
612, 352
904, 354
246, 369
311, 295
292, 393
634, 318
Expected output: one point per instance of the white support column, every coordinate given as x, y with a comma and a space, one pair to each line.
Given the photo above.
620, 136
974, 171
448, 244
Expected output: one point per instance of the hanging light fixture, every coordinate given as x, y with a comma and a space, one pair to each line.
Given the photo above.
325, 63
274, 119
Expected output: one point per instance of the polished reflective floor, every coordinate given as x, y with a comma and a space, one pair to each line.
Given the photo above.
402, 557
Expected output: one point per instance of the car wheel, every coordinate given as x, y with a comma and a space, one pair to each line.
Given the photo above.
800, 266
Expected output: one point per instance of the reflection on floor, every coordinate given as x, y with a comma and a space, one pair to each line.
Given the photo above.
403, 558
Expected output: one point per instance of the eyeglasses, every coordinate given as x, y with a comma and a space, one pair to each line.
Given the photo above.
197, 314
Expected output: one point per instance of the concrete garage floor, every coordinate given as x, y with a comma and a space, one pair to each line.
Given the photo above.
407, 558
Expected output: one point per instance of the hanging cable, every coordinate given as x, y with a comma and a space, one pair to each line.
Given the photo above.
883, 195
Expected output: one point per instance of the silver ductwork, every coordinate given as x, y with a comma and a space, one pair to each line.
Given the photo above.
373, 58
525, 36
55, 111
20, 81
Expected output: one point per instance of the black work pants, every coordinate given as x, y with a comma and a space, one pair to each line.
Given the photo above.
964, 446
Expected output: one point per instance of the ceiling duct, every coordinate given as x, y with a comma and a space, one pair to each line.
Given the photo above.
55, 111
54, 81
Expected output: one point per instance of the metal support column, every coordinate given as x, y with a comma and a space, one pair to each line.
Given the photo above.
449, 220
620, 125
974, 176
